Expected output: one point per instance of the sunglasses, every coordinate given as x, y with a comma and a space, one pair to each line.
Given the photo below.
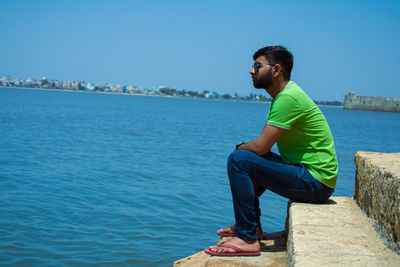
258, 65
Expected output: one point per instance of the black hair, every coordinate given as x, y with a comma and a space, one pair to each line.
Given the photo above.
277, 55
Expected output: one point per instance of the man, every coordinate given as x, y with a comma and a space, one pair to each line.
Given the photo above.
306, 169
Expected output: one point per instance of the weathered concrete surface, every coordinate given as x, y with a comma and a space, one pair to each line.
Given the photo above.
377, 192
334, 234
273, 253
195, 260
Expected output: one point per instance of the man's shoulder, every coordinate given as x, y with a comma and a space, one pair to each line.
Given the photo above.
293, 90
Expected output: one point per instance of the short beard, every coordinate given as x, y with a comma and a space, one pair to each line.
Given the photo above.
264, 82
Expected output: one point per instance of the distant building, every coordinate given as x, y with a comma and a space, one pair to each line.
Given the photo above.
28, 83
35, 83
117, 88
77, 85
83, 86
130, 89
4, 81
90, 86
371, 103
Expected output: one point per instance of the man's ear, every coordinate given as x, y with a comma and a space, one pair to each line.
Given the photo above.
276, 70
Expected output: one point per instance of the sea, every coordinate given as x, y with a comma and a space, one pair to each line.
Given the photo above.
94, 179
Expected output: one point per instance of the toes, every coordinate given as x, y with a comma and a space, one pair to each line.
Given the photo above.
214, 248
225, 250
219, 249
227, 230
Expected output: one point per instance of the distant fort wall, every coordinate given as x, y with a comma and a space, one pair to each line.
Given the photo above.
371, 103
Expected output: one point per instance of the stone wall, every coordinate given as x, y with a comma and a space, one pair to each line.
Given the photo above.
377, 193
352, 101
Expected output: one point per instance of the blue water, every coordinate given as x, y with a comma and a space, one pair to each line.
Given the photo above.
101, 179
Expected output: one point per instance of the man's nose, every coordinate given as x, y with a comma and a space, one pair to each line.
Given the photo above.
252, 71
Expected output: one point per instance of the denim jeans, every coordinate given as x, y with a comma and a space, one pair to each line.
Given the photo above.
292, 181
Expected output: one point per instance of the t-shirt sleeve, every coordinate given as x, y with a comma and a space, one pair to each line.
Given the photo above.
284, 112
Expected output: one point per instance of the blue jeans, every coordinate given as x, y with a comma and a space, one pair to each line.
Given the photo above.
292, 181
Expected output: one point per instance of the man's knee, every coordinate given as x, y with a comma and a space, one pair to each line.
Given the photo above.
237, 158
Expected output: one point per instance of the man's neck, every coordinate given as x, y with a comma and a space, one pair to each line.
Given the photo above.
276, 88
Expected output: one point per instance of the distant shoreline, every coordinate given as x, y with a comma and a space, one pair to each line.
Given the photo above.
122, 93
78, 91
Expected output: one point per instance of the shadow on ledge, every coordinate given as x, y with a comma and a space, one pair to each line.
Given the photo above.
273, 242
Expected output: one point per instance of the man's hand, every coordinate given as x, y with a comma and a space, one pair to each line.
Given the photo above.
262, 145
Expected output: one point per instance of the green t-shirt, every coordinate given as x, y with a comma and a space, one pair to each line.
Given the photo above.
307, 138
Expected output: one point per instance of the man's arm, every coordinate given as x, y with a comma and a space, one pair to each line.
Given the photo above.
262, 145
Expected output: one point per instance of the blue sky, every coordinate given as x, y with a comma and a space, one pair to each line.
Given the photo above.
338, 46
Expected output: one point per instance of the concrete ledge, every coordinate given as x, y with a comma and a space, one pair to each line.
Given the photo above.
337, 233
334, 234
377, 192
273, 253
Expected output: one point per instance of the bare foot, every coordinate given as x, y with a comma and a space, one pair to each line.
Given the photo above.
231, 229
253, 245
